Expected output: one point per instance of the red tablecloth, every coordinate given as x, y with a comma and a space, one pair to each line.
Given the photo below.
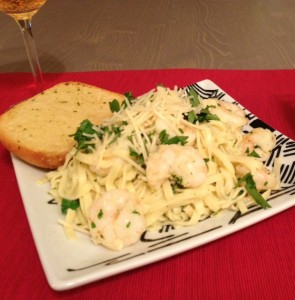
255, 263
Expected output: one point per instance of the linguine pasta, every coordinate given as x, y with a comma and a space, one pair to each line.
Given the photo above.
129, 152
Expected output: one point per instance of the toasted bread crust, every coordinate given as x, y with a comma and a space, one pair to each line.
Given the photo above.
39, 159
38, 130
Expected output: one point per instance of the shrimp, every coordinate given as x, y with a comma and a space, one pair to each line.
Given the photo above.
184, 162
116, 219
227, 112
260, 140
262, 177
190, 133
104, 166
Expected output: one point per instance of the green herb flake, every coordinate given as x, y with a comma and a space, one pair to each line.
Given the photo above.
114, 105
93, 225
116, 130
138, 156
203, 116
166, 140
69, 204
179, 181
128, 224
100, 214
252, 154
206, 116
86, 127
176, 183
252, 190
191, 117
129, 98
194, 97
177, 140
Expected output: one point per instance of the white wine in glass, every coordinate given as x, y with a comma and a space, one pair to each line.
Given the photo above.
22, 12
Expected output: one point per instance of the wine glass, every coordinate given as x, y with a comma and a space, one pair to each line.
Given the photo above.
22, 12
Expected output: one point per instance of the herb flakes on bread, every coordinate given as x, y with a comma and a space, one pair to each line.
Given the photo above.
38, 130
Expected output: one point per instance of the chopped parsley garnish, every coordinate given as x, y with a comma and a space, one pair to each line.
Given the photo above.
116, 130
86, 132
129, 98
135, 212
93, 225
81, 136
191, 117
194, 97
100, 214
128, 224
114, 105
166, 140
177, 182
252, 154
203, 116
66, 204
138, 156
252, 190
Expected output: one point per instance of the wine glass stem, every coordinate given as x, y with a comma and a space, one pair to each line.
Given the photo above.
26, 29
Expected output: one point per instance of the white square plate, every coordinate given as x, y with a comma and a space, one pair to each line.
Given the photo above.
68, 264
